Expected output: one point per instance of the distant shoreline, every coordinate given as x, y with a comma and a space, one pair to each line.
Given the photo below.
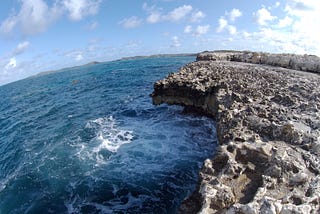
64, 69
121, 59
157, 56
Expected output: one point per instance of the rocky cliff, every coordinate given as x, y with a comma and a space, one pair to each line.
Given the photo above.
268, 123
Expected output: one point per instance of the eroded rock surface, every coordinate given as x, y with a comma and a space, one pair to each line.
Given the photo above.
268, 126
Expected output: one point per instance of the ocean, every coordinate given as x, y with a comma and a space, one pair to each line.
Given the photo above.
89, 140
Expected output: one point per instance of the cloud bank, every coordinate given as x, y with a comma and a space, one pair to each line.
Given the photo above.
35, 16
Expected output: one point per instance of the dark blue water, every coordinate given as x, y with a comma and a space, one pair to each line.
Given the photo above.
89, 140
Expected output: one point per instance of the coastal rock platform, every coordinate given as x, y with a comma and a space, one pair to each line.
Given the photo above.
267, 113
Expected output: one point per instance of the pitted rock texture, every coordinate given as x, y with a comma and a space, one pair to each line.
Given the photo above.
308, 63
268, 126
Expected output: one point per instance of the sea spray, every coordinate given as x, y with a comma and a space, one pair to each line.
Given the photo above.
108, 138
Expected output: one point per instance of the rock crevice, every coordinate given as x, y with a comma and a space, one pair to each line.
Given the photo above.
268, 124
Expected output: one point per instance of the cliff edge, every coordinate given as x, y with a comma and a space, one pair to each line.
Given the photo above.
268, 124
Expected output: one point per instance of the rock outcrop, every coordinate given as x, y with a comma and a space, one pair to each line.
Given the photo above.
309, 63
266, 107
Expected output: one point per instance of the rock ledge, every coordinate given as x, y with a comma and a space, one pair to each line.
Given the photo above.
268, 123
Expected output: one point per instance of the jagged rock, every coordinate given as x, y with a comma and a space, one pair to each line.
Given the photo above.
309, 63
268, 128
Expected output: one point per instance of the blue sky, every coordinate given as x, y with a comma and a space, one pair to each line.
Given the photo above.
41, 35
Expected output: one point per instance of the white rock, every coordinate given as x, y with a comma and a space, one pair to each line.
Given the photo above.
301, 209
299, 178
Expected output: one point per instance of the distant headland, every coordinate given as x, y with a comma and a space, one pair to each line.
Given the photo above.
121, 59
158, 56
65, 69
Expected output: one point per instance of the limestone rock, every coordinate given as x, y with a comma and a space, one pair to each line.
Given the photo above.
268, 124
308, 63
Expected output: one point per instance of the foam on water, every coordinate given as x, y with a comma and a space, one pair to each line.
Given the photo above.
108, 138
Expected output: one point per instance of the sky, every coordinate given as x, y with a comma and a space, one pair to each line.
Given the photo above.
43, 35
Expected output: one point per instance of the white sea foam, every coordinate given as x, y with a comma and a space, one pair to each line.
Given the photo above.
109, 137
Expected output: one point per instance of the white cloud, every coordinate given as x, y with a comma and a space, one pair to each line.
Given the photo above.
263, 16
299, 7
276, 5
301, 34
184, 12
21, 48
274, 39
79, 57
132, 22
197, 16
285, 22
11, 64
80, 8
202, 29
35, 16
278, 41
8, 24
14, 69
178, 13
188, 29
175, 42
246, 34
8, 63
224, 26
232, 29
154, 17
223, 23
234, 14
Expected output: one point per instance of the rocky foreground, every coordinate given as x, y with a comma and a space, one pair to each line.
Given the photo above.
267, 110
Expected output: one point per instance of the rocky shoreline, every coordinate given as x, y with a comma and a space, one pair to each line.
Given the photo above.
267, 110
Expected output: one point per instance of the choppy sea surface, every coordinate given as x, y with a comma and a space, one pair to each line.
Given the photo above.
89, 140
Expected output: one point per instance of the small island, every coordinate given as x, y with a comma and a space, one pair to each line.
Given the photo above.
267, 111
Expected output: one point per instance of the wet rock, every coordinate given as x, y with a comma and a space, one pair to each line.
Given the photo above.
267, 112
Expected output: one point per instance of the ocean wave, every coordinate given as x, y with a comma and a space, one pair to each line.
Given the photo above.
127, 202
108, 138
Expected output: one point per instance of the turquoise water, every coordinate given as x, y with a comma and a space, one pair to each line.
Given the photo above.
89, 140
